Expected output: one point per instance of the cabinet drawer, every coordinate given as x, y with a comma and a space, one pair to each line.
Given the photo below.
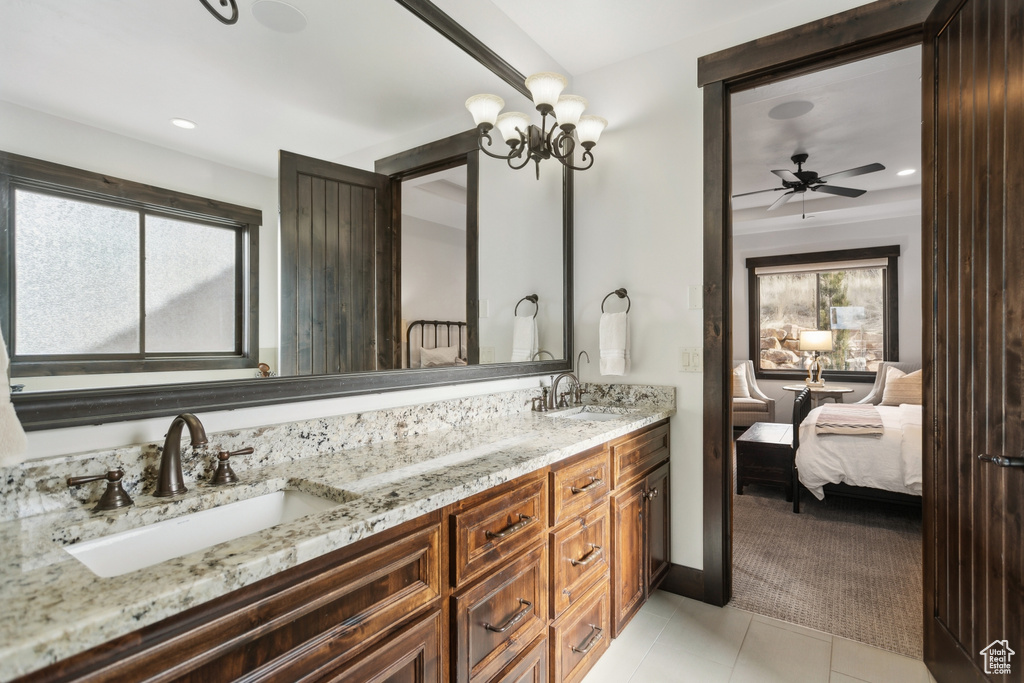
497, 618
637, 453
579, 485
413, 656
579, 557
496, 524
529, 667
580, 636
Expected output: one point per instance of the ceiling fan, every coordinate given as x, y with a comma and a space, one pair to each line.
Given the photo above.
800, 181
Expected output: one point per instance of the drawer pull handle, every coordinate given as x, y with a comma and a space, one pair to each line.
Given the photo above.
595, 482
524, 521
588, 644
514, 619
589, 557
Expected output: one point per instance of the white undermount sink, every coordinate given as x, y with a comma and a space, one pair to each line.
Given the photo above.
152, 544
588, 413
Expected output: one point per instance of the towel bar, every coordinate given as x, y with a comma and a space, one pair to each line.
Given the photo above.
532, 298
621, 293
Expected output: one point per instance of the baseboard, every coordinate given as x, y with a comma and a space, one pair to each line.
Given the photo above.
685, 581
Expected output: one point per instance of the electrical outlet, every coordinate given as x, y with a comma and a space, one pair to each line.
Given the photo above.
690, 359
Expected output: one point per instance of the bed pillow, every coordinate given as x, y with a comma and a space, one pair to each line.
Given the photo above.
739, 383
440, 357
901, 387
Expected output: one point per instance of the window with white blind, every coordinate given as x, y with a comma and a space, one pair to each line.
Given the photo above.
851, 293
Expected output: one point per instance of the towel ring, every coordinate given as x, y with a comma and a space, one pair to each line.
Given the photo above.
621, 293
532, 298
537, 356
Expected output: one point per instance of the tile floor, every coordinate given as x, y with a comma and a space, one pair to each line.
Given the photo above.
678, 640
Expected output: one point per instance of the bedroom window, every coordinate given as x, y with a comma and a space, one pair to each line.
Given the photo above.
101, 283
852, 293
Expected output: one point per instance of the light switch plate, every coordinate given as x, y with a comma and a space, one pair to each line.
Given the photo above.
691, 359
696, 297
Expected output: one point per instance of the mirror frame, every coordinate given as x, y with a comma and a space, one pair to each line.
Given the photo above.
56, 409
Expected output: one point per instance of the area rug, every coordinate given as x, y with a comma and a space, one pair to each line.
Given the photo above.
850, 568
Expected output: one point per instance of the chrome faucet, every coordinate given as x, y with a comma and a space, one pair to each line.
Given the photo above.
553, 400
171, 482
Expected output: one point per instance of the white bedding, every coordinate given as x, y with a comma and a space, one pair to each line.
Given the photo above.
891, 462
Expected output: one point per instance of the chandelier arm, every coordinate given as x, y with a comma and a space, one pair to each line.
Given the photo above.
513, 153
526, 160
220, 17
586, 155
561, 140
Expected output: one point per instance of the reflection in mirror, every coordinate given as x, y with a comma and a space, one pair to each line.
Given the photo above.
434, 252
58, 107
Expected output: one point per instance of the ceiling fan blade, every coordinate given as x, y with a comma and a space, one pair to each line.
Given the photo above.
771, 189
849, 173
788, 176
781, 200
841, 191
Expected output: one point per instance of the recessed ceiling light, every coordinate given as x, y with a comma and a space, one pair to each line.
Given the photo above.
278, 16
908, 171
184, 123
790, 110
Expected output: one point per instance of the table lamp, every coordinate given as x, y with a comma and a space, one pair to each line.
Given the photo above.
816, 341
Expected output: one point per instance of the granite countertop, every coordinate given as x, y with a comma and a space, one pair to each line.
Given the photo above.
55, 607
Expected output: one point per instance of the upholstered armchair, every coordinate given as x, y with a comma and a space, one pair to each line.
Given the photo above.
874, 396
756, 406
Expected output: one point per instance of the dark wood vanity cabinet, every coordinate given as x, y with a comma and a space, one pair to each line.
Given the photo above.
640, 523
523, 583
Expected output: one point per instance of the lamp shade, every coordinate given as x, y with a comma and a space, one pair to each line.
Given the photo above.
509, 121
589, 129
815, 340
485, 108
545, 88
568, 110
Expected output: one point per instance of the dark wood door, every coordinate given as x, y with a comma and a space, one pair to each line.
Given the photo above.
973, 206
337, 293
657, 536
628, 585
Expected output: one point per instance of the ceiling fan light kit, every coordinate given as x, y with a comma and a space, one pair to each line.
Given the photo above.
569, 127
799, 181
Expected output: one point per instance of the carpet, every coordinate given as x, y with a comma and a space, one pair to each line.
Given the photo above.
850, 568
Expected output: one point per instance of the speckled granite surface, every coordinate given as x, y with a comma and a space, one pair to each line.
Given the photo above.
383, 468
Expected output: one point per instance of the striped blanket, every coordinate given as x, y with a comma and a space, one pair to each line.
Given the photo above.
838, 418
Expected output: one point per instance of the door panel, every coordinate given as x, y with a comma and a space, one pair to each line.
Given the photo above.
973, 216
335, 251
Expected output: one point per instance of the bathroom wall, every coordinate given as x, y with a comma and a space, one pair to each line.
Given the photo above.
639, 226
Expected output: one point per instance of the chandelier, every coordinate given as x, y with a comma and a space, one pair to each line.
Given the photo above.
528, 142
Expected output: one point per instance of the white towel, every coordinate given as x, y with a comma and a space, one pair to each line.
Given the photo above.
524, 338
12, 437
614, 342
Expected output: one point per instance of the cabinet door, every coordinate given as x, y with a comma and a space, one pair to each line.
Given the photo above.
412, 656
657, 532
628, 585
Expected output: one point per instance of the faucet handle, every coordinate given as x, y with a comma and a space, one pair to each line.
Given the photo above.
114, 497
224, 473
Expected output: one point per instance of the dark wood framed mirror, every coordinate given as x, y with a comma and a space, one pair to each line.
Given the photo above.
65, 408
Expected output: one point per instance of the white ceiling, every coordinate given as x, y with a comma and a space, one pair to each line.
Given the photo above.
360, 73
865, 112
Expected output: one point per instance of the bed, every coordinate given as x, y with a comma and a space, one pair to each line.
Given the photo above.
886, 467
436, 343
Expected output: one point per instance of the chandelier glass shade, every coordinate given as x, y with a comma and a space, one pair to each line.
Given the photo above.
568, 129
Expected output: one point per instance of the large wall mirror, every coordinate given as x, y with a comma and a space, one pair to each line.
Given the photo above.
352, 84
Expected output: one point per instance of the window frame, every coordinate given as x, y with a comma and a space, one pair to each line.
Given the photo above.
890, 333
35, 175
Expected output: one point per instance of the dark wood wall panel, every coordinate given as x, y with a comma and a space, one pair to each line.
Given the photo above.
974, 593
